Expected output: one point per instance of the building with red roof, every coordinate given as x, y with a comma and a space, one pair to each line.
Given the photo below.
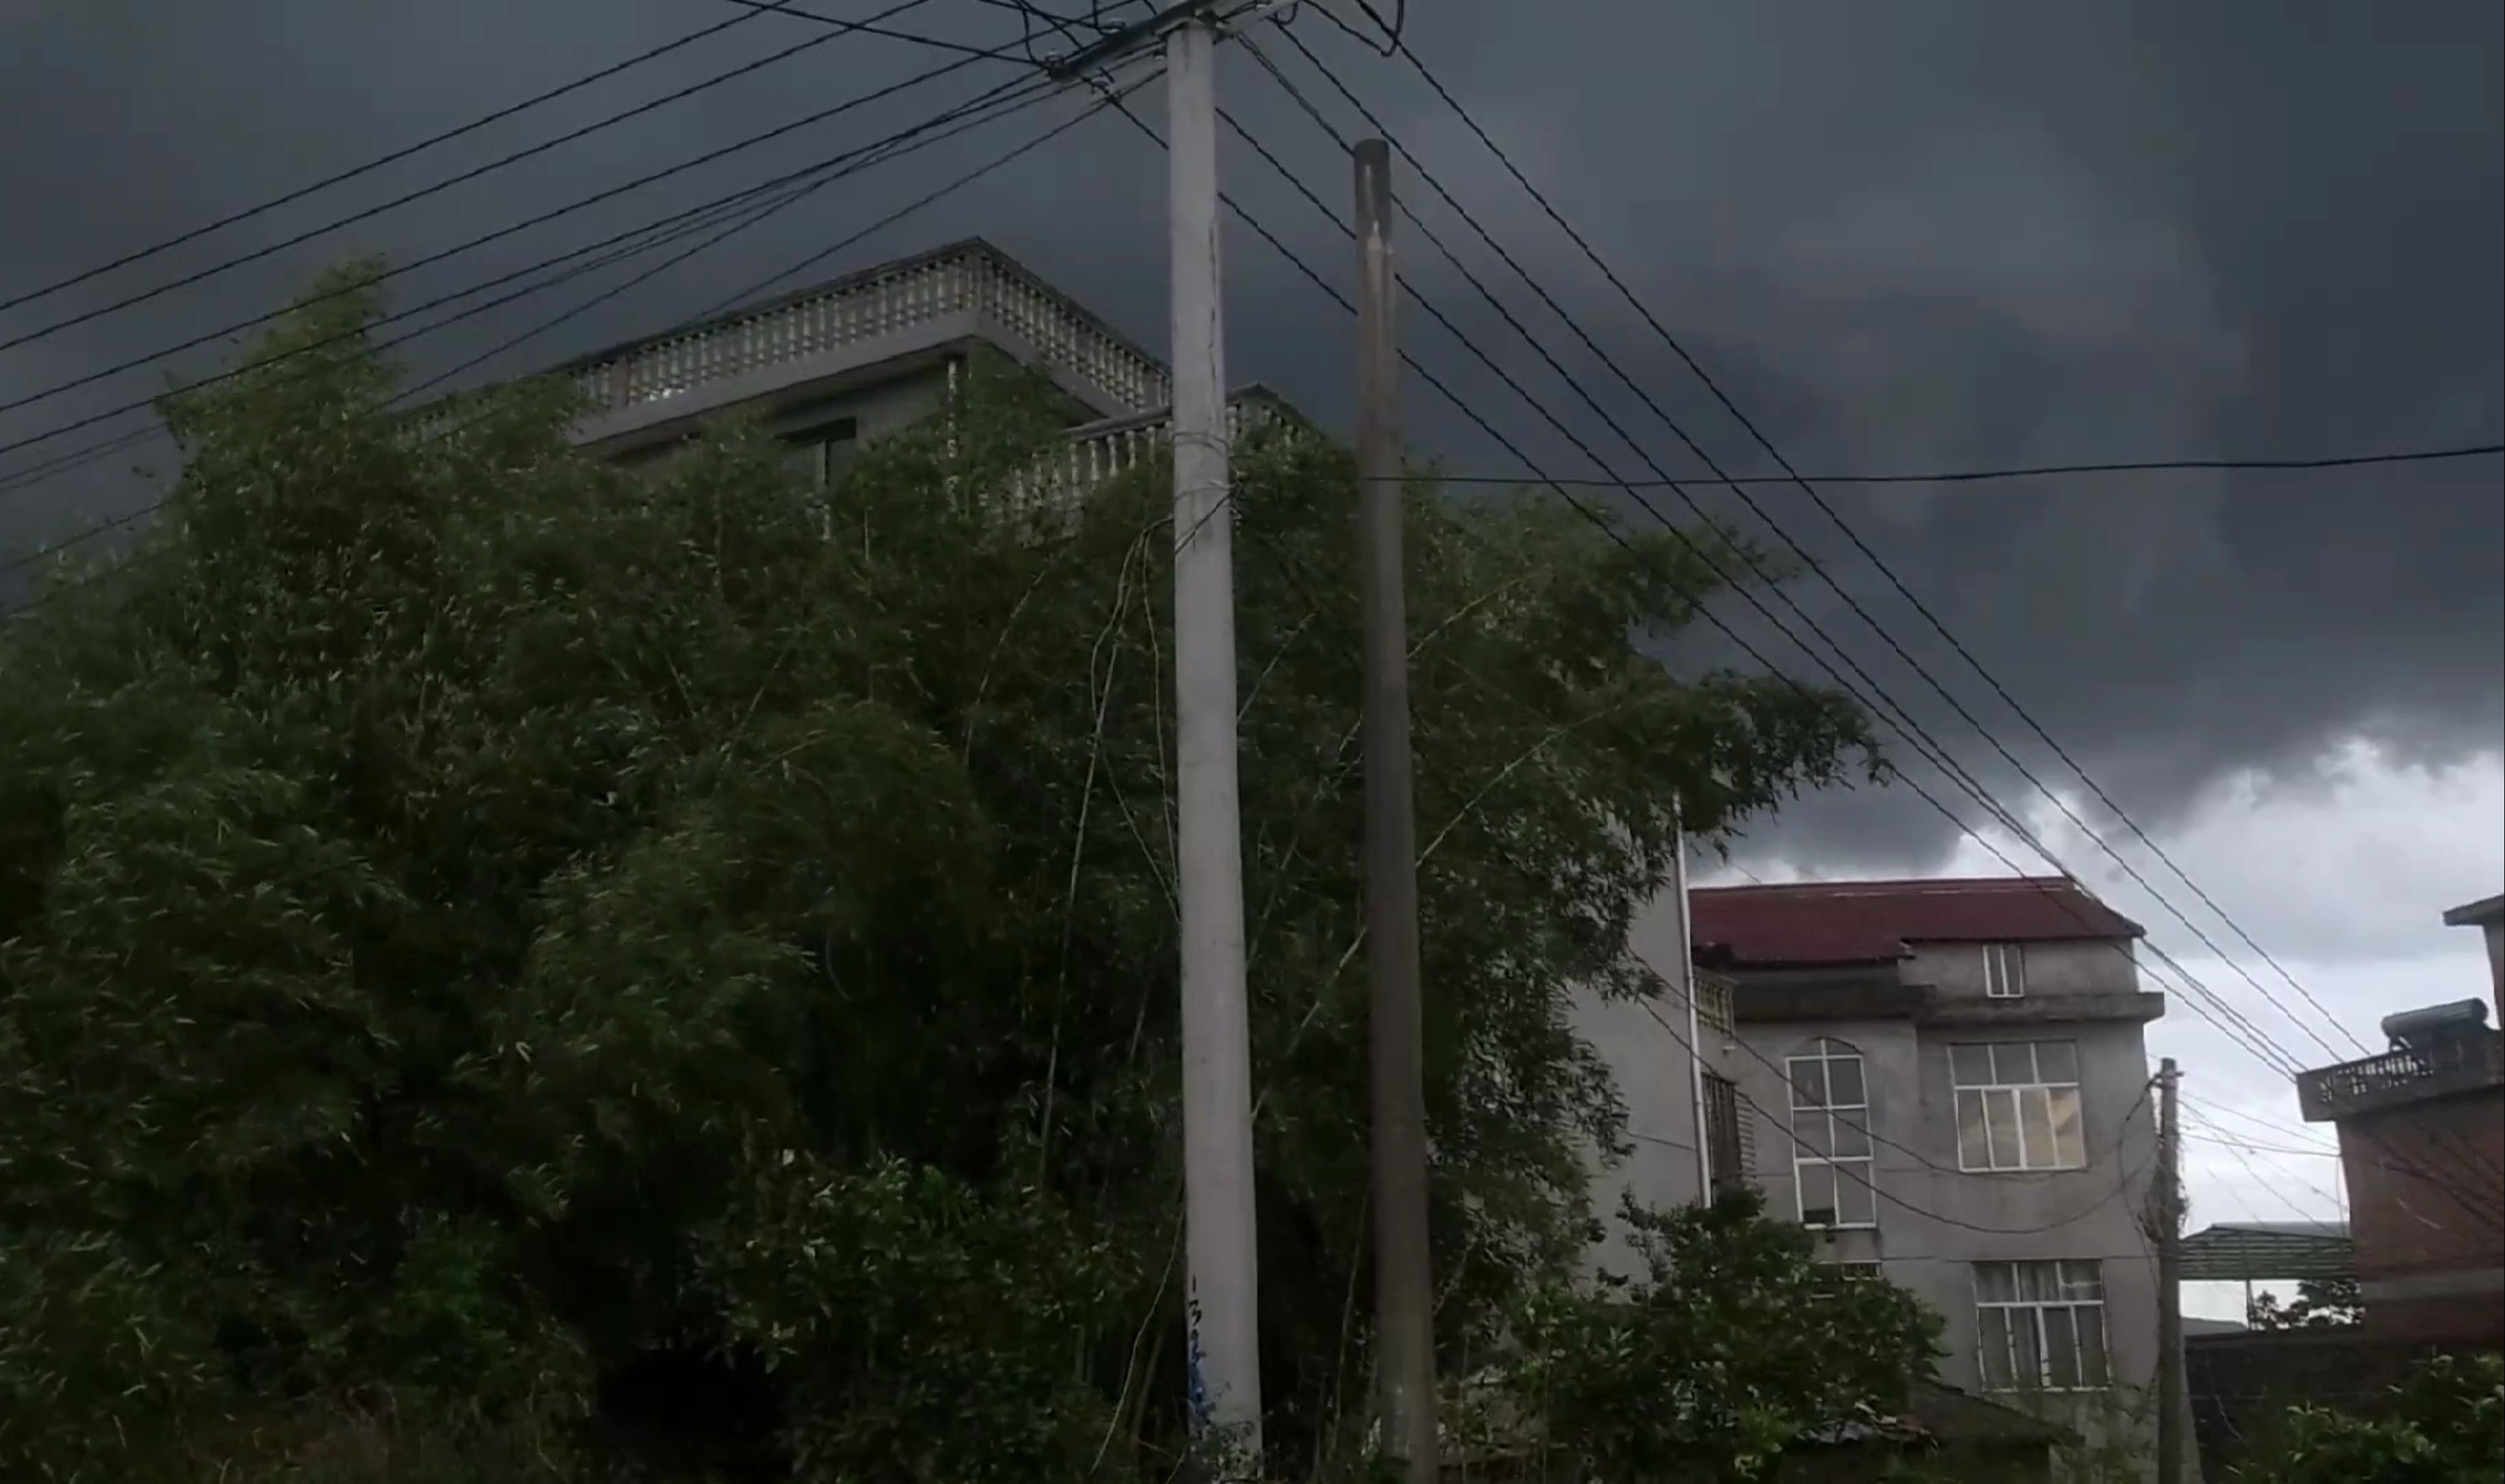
1948, 1081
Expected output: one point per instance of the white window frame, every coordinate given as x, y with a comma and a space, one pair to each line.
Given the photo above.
2069, 1304
2014, 1102
1817, 1131
2004, 971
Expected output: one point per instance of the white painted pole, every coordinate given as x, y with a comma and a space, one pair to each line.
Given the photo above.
1687, 986
1223, 1350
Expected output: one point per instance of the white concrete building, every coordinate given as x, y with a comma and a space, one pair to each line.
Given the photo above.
1947, 1081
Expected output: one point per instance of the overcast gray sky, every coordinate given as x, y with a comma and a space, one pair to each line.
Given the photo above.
1917, 236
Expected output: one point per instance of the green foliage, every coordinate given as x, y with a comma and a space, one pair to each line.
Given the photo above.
2321, 1304
507, 957
1733, 1345
2446, 1424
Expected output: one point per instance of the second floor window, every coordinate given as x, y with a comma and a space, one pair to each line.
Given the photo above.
2018, 1106
1831, 1169
2004, 971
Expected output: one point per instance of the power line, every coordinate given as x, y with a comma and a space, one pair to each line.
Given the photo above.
743, 221
1766, 518
865, 27
1714, 389
371, 165
2038, 470
693, 218
1902, 722
648, 178
2263, 1149
1601, 523
2236, 1152
969, 104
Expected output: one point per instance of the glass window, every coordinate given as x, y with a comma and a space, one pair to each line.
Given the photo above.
819, 455
1831, 1154
2041, 1326
1726, 1145
2004, 971
2018, 1106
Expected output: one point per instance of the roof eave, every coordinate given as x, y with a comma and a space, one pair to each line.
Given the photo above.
2477, 914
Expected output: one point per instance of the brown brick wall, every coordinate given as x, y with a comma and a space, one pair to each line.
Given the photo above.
2426, 1197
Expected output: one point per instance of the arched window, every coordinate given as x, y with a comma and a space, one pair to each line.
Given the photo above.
1831, 1168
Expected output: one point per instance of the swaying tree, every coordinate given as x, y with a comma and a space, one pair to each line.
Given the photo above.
515, 967
2444, 1424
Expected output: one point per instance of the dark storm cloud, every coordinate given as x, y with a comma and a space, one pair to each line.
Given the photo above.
1904, 236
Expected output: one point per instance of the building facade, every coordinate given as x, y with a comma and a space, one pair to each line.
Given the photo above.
2423, 1151
1947, 1083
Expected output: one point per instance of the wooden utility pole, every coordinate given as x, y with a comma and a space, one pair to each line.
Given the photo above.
2169, 1280
1404, 1299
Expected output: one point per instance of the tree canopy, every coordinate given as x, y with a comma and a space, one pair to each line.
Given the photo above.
511, 965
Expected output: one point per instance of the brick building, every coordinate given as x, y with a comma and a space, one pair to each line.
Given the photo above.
2423, 1151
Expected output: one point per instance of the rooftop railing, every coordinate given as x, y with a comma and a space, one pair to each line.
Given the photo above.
2461, 1063
967, 279
1713, 1003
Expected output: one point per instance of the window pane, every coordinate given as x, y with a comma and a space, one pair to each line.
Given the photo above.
1994, 1282
2092, 1346
2029, 1359
1974, 1148
2060, 1350
2013, 970
1809, 1083
2013, 1061
2001, 1116
2082, 1280
2035, 1128
1855, 1203
1997, 1375
2070, 1137
1851, 1140
2057, 1061
1816, 1195
1970, 1066
1844, 1082
1810, 1136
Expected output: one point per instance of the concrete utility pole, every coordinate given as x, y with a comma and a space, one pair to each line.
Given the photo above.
1223, 1347
2169, 1282
1688, 986
1404, 1294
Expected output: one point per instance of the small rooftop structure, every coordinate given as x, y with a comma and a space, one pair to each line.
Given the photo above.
1845, 923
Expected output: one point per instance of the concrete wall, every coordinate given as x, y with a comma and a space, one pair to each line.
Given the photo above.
1645, 1047
1934, 1223
1955, 970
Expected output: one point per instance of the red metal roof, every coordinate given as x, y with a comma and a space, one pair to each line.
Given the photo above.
1871, 922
